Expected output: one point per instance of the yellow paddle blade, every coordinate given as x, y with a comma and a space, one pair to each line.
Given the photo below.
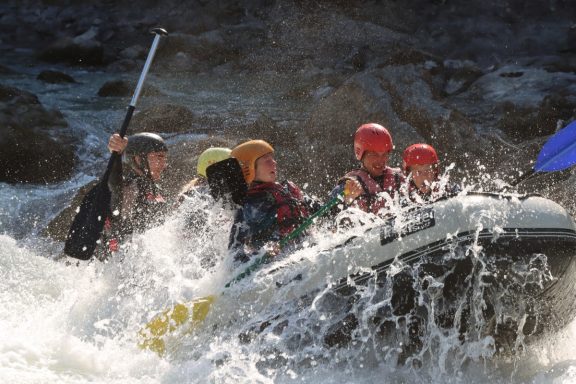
191, 314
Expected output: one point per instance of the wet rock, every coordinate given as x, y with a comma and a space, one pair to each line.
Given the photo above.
123, 88
164, 118
5, 70
459, 75
35, 146
182, 51
436, 122
83, 50
123, 65
55, 77
524, 123
403, 55
135, 52
57, 228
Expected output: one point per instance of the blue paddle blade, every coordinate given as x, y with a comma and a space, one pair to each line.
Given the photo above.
559, 152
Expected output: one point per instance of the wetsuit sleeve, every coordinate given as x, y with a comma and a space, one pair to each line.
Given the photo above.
255, 224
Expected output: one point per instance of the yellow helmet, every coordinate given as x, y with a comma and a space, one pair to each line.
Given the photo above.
209, 157
247, 153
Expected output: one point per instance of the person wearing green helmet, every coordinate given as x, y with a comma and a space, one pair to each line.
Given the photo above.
200, 182
202, 215
137, 203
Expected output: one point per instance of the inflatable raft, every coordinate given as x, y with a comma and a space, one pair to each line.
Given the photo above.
484, 263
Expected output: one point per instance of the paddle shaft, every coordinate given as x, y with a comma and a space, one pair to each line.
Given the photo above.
158, 32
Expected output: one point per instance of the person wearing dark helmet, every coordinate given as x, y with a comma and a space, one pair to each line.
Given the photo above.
137, 203
366, 185
421, 167
271, 210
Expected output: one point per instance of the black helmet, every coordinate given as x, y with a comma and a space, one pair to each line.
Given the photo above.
141, 144
145, 143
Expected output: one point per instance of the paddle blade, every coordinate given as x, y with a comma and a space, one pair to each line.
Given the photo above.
226, 180
88, 223
182, 317
559, 152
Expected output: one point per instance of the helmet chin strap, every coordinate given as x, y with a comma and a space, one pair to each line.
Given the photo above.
144, 168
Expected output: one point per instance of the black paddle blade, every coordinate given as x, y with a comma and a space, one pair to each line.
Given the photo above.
88, 223
226, 181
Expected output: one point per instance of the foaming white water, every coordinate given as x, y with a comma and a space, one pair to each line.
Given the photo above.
79, 323
52, 324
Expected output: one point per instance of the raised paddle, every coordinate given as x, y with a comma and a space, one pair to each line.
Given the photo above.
195, 311
88, 223
226, 180
557, 154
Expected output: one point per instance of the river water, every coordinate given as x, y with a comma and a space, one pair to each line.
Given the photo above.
79, 322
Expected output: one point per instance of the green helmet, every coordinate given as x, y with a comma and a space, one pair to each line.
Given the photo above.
141, 144
209, 157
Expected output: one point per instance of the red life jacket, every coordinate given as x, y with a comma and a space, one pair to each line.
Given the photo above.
291, 209
369, 201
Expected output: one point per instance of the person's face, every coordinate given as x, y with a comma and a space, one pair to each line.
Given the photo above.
375, 162
423, 176
266, 169
157, 164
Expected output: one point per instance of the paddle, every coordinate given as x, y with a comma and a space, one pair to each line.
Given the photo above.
88, 223
225, 179
557, 154
195, 311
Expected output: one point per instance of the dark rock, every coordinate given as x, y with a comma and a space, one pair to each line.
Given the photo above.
525, 123
82, 50
35, 146
5, 70
122, 88
57, 228
164, 118
55, 77
191, 52
135, 52
403, 55
123, 65
459, 75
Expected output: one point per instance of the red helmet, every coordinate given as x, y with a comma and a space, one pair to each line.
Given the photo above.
371, 137
418, 154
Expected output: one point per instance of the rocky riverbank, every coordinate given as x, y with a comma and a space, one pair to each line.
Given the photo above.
486, 82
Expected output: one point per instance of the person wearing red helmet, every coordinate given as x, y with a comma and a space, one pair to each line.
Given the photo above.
364, 186
420, 165
270, 210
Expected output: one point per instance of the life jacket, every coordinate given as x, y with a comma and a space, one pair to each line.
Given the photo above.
370, 201
435, 193
149, 204
291, 209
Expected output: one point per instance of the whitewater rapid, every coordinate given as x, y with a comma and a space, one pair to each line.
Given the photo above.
77, 322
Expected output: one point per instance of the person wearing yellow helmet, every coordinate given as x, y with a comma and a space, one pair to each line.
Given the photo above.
207, 158
270, 210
